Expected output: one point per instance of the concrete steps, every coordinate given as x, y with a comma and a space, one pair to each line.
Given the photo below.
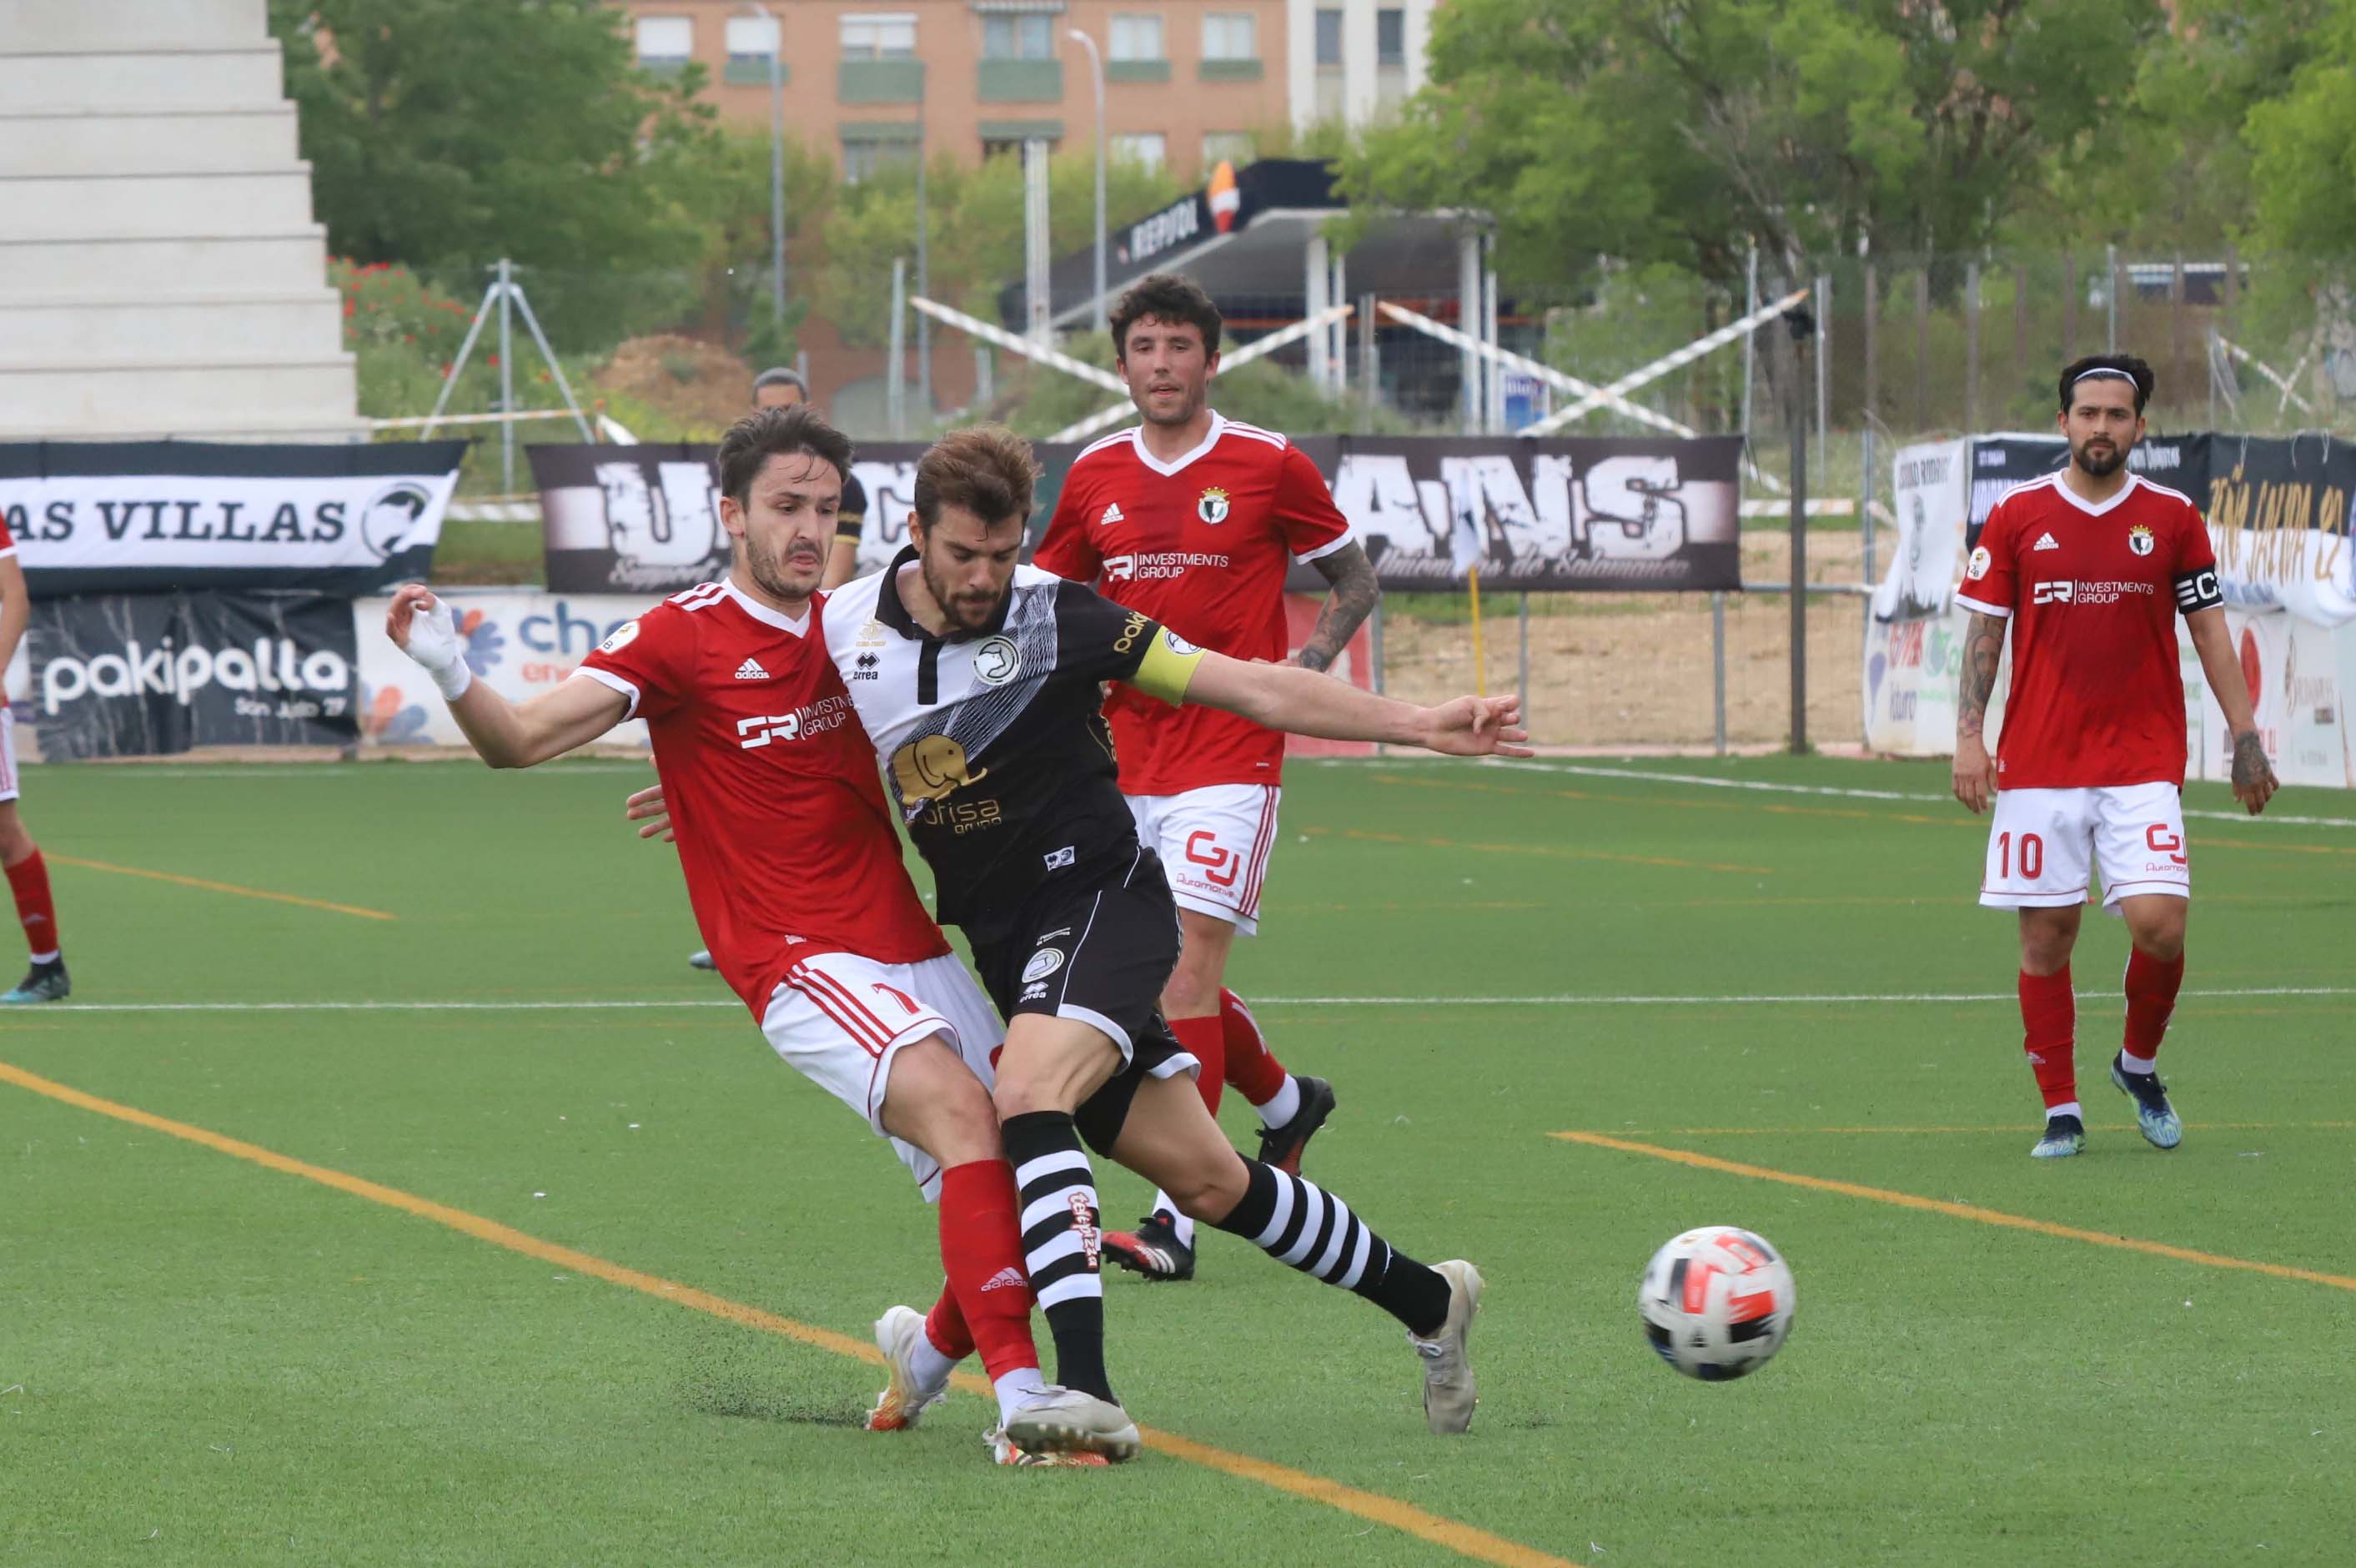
187, 326
195, 141
183, 397
89, 207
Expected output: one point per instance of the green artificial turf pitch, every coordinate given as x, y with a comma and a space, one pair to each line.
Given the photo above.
206, 1360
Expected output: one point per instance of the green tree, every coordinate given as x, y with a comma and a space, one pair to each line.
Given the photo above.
449, 132
1651, 131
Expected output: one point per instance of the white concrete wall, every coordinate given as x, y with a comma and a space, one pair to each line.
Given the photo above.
160, 270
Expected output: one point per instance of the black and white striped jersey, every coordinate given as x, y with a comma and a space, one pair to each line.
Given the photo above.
992, 742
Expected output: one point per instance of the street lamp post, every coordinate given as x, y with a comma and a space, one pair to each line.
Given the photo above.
776, 156
1095, 73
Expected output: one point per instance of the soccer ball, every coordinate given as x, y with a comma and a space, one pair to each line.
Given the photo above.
1717, 1303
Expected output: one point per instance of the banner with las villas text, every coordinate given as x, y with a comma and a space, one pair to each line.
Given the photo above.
1573, 514
131, 517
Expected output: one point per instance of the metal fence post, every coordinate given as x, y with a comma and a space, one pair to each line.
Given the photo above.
1522, 681
506, 376
895, 385
1374, 649
2110, 297
1971, 345
1717, 667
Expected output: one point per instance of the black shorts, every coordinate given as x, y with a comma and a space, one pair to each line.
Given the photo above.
1097, 949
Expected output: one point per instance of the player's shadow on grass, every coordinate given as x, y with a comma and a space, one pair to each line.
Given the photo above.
722, 1371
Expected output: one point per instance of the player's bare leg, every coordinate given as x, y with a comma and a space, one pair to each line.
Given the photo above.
2155, 924
1048, 1067
2049, 1015
1214, 1023
1169, 1139
28, 881
933, 1100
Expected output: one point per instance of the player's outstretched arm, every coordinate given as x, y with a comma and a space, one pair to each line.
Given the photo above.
1305, 703
503, 735
2254, 777
1974, 768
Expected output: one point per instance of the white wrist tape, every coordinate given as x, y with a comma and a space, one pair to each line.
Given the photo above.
433, 645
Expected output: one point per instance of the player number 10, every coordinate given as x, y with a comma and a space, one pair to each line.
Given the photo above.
2032, 855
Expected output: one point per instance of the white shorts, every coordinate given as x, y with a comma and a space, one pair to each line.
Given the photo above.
838, 1019
7, 752
2044, 843
1214, 843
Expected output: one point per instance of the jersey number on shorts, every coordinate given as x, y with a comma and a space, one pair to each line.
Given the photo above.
2032, 855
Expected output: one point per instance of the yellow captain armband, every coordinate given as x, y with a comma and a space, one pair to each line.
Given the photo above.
850, 525
1168, 667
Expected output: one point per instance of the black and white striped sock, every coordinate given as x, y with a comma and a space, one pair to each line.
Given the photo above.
1060, 1233
1300, 1223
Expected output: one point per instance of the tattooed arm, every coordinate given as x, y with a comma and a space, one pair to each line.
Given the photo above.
1974, 770
2253, 776
1351, 577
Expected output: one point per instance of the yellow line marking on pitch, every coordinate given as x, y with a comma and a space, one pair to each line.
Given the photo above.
2006, 1128
221, 887
1462, 1539
1538, 849
1959, 1210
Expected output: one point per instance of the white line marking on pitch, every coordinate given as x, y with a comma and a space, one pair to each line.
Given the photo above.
1796, 999
1764, 786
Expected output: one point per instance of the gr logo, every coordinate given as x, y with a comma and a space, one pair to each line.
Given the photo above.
759, 731
2052, 593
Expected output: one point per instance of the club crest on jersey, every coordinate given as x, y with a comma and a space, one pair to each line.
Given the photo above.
1043, 963
1212, 505
2139, 539
996, 661
1981, 562
931, 767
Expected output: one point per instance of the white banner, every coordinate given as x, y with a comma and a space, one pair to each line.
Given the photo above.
520, 642
2299, 676
146, 516
1927, 482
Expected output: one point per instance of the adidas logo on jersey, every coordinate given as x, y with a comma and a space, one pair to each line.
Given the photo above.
751, 670
1112, 515
1007, 1278
2045, 542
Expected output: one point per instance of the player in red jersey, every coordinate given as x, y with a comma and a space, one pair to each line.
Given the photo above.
1196, 519
2091, 567
28, 874
795, 879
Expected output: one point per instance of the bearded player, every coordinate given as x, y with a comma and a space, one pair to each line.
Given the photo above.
2091, 566
796, 879
1194, 520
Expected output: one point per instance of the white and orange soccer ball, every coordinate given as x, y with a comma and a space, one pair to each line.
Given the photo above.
1717, 1303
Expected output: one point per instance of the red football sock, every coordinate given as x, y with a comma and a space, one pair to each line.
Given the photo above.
981, 1249
945, 1326
1206, 1038
2151, 998
1251, 1067
28, 879
2049, 1015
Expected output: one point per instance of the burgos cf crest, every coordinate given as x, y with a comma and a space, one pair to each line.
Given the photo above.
2139, 539
1212, 505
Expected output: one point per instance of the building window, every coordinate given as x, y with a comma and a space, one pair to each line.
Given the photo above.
751, 38
1230, 35
1227, 146
1329, 38
1137, 37
880, 35
1390, 37
994, 146
864, 159
1025, 36
666, 42
1147, 149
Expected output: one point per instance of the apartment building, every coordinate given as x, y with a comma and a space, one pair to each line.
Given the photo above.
1355, 61
1188, 82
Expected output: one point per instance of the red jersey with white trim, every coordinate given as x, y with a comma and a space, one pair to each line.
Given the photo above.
787, 845
2092, 593
1201, 545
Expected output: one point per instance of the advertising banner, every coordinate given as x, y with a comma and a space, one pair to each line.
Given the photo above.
1604, 515
152, 674
133, 516
1932, 508
518, 642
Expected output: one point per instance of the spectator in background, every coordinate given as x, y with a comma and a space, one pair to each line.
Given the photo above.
782, 388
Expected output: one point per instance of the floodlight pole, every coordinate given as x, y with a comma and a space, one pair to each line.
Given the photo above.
1096, 74
776, 156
